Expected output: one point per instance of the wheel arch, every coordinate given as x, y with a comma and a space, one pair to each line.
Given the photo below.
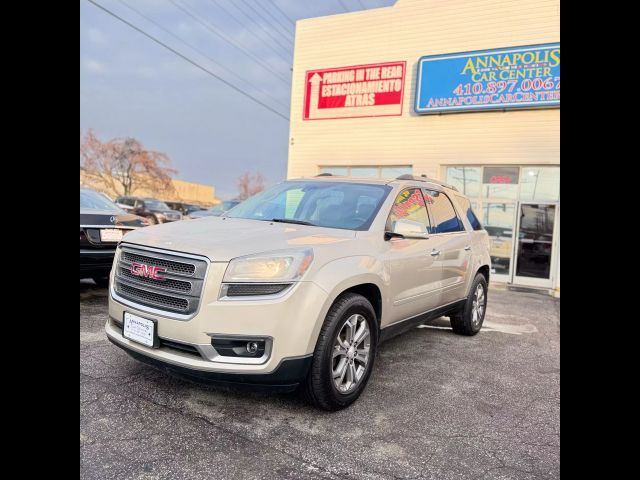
371, 292
485, 271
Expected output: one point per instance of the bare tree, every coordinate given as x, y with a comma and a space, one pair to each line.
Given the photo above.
122, 165
249, 185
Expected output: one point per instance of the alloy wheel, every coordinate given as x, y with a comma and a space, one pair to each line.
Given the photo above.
351, 352
478, 305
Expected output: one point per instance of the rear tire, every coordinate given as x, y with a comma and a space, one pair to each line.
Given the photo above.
469, 320
344, 354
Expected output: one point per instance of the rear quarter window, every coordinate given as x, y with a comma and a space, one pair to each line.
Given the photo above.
467, 210
445, 218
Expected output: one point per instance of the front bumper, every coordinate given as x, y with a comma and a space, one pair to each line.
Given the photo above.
286, 377
291, 321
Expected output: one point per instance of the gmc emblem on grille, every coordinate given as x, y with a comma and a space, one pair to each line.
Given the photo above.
149, 271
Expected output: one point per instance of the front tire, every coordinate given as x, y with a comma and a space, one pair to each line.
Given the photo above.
469, 321
344, 354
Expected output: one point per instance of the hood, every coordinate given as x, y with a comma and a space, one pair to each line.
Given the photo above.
221, 239
107, 217
204, 213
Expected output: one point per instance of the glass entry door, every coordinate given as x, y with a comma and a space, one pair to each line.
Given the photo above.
535, 244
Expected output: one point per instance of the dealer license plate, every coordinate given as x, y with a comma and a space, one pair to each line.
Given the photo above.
139, 329
110, 235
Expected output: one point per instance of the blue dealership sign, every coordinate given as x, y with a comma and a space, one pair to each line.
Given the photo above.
503, 78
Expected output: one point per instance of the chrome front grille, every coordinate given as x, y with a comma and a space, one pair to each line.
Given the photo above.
168, 284
179, 268
178, 288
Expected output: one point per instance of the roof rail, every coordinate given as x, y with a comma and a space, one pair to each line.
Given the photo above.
326, 174
424, 178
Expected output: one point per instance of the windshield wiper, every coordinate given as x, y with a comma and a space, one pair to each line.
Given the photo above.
297, 222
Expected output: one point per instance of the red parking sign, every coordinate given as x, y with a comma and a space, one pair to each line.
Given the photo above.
374, 90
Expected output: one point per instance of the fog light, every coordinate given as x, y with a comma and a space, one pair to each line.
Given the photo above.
240, 347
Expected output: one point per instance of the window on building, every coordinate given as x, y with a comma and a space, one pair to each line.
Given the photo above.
467, 210
499, 221
409, 205
340, 171
373, 172
500, 182
368, 171
445, 219
540, 183
465, 179
494, 192
395, 172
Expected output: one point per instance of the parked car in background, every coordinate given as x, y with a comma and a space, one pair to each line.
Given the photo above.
296, 286
102, 226
153, 210
216, 211
185, 208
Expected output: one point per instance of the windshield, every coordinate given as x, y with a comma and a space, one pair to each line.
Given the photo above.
350, 206
224, 206
90, 200
157, 204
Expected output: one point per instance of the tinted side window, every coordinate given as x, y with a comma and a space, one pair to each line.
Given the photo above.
465, 204
409, 205
445, 218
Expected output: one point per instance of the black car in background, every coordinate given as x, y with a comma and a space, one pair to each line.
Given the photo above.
102, 226
153, 210
185, 208
216, 211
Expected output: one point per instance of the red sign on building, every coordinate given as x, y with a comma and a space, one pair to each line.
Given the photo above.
374, 90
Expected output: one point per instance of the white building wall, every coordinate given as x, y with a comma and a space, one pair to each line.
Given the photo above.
407, 31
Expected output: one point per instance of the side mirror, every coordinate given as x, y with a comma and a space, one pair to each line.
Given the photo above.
407, 229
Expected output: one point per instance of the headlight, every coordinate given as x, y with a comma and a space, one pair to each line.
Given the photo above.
269, 267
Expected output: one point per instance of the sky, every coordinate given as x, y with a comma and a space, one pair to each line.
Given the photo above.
131, 86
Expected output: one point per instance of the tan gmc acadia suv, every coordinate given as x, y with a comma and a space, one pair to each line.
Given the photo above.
297, 286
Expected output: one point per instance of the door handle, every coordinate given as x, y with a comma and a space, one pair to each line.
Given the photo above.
467, 248
434, 253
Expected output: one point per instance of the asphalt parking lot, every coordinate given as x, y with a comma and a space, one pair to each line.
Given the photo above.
438, 406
